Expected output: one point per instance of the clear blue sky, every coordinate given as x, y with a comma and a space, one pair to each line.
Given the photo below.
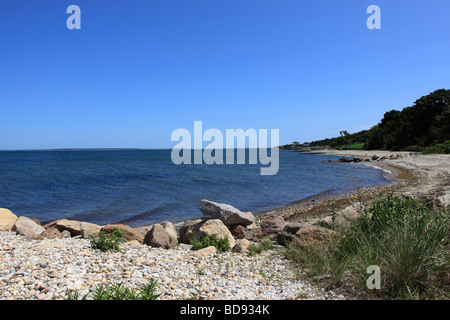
137, 70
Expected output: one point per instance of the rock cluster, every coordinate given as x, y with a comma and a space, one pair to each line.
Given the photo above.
220, 219
43, 262
368, 159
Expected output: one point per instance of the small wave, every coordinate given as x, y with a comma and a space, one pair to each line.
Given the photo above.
379, 168
144, 215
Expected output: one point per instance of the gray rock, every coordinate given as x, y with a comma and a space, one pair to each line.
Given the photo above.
66, 234
342, 219
293, 227
228, 214
27, 227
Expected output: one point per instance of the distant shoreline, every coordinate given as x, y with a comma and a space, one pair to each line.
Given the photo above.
81, 149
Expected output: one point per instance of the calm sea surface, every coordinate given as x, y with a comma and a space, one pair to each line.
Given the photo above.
138, 187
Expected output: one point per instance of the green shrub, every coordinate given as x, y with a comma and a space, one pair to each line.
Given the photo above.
405, 239
221, 244
118, 291
438, 148
254, 248
105, 242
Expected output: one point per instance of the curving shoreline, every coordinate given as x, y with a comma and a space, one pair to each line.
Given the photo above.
424, 176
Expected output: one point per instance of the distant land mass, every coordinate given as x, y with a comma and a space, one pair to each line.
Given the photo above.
84, 149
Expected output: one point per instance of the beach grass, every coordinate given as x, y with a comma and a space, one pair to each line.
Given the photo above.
118, 291
406, 240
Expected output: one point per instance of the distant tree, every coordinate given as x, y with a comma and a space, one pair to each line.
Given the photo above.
414, 128
425, 123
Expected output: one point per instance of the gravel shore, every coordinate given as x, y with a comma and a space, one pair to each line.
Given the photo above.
45, 270
426, 177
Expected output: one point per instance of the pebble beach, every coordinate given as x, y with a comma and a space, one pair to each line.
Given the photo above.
47, 269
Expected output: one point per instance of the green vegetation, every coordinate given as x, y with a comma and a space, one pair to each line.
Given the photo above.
354, 146
254, 249
425, 126
118, 291
221, 244
438, 148
403, 237
105, 242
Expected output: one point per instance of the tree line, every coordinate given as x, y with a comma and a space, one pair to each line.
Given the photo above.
425, 126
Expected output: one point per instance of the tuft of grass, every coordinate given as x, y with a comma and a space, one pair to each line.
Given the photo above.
221, 244
402, 236
105, 242
268, 278
118, 291
255, 249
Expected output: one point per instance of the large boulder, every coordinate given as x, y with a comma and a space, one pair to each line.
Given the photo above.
89, 229
229, 215
170, 228
342, 219
293, 227
73, 226
271, 226
7, 219
50, 233
188, 230
216, 226
241, 232
242, 246
285, 238
310, 234
202, 253
199, 228
128, 232
160, 238
27, 227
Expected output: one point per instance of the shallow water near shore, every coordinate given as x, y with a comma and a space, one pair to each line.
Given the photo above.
141, 187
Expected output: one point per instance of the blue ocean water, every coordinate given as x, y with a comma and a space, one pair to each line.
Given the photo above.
139, 187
